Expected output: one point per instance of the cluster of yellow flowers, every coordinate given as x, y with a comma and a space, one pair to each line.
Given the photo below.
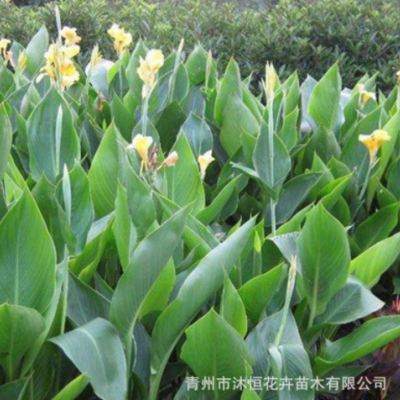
121, 38
59, 65
8, 55
374, 142
142, 145
148, 70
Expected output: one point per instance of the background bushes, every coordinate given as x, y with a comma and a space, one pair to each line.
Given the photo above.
308, 35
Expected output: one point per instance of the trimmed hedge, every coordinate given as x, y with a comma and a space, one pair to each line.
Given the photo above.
307, 35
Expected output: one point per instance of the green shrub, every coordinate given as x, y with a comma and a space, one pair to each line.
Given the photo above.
302, 35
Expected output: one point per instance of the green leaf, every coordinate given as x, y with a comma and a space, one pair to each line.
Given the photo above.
215, 358
353, 302
14, 390
36, 49
370, 265
84, 303
377, 227
122, 118
211, 212
133, 287
232, 309
231, 86
73, 389
258, 292
198, 134
96, 350
124, 231
371, 336
80, 213
106, 170
295, 362
196, 290
19, 327
324, 106
27, 270
5, 140
184, 182
237, 120
52, 139
325, 257
196, 65
294, 194
261, 158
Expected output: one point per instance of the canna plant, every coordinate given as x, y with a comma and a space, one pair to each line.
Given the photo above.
161, 225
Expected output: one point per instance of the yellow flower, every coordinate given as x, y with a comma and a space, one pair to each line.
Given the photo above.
95, 58
3, 46
69, 73
204, 161
121, 39
270, 80
70, 51
22, 59
155, 60
171, 160
374, 142
398, 77
52, 54
70, 36
365, 96
148, 70
142, 144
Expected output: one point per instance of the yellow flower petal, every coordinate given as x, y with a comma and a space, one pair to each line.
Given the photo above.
204, 161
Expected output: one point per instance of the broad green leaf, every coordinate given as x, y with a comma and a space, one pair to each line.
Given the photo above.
331, 193
258, 292
211, 212
36, 49
289, 131
353, 302
27, 269
133, 287
198, 134
19, 327
325, 257
372, 263
231, 86
237, 120
140, 203
197, 289
96, 350
295, 360
124, 231
5, 140
84, 303
14, 390
215, 358
80, 213
364, 340
184, 182
232, 308
73, 389
107, 168
377, 227
294, 194
261, 158
52, 139
324, 106
196, 65
86, 263
122, 118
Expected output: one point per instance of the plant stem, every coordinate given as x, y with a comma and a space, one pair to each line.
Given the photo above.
121, 92
288, 299
271, 159
144, 114
366, 181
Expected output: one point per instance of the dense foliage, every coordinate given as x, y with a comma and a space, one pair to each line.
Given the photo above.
303, 35
160, 221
